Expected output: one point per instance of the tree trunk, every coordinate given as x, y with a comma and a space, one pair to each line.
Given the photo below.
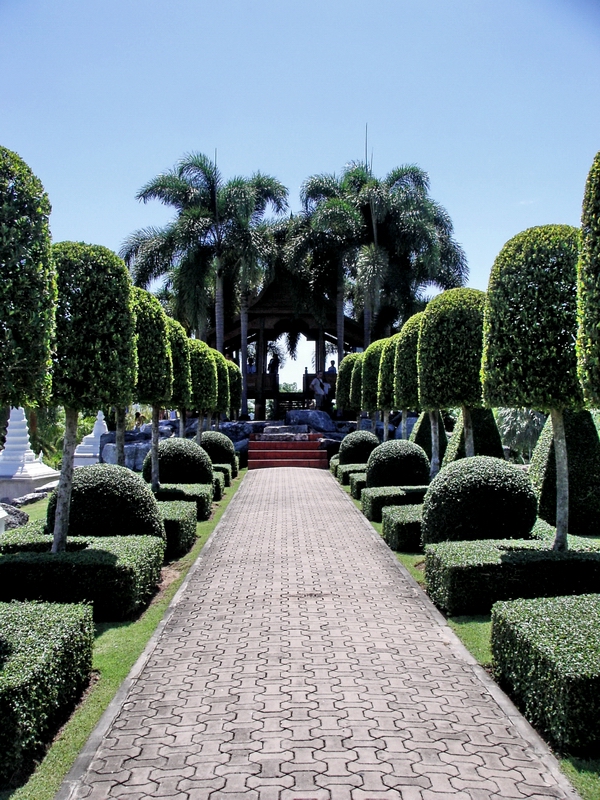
386, 422
339, 314
435, 443
65, 484
468, 432
219, 308
120, 434
244, 346
199, 428
367, 323
182, 421
405, 423
562, 480
154, 450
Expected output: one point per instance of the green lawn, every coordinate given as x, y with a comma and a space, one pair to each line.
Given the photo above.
117, 648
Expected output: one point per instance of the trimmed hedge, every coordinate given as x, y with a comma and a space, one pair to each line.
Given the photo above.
333, 463
370, 375
486, 437
479, 498
583, 453
374, 500
344, 471
226, 471
547, 652
421, 434
356, 447
406, 378
180, 461
220, 449
397, 463
45, 658
469, 577
358, 482
402, 528
179, 519
218, 486
107, 500
199, 493
356, 384
117, 574
344, 379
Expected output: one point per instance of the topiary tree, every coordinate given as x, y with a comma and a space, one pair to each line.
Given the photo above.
356, 447
155, 365
94, 363
478, 498
421, 434
181, 393
449, 355
530, 325
370, 375
356, 384
344, 380
28, 285
204, 381
180, 461
406, 374
486, 437
221, 449
397, 463
588, 290
385, 381
222, 406
235, 389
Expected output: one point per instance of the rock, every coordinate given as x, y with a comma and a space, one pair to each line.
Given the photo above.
27, 499
135, 453
317, 420
15, 517
241, 449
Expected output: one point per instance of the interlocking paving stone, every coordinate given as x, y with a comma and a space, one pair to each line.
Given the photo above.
300, 661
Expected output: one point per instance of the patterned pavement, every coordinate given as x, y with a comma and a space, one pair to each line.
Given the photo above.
300, 661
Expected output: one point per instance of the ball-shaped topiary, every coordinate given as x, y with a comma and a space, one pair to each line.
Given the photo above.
219, 447
180, 461
479, 498
107, 500
356, 447
397, 463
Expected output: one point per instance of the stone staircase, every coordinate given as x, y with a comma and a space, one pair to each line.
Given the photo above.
286, 446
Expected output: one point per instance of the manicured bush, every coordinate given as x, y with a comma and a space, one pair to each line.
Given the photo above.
356, 384
180, 461
344, 471
373, 501
203, 370
108, 500
181, 394
221, 449
486, 437
370, 375
402, 527
358, 482
479, 498
117, 574
421, 434
406, 379
387, 374
583, 449
199, 493
218, 485
588, 289
547, 653
344, 379
469, 577
356, 447
397, 463
179, 519
333, 463
223, 396
235, 388
226, 471
45, 662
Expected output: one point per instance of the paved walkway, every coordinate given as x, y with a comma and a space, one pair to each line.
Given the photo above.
301, 662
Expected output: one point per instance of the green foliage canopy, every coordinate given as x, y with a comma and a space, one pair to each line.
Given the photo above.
155, 365
222, 382
406, 376
235, 386
181, 394
370, 374
588, 289
385, 382
344, 379
204, 376
356, 383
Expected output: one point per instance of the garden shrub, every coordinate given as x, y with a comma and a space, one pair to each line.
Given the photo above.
356, 383
479, 498
385, 381
421, 434
223, 395
226, 471
374, 500
117, 574
486, 437
469, 577
344, 378
333, 463
370, 375
583, 456
218, 485
406, 378
547, 652
107, 500
199, 493
179, 519
397, 463
220, 449
358, 482
180, 461
45, 662
235, 387
356, 447
402, 527
588, 289
344, 471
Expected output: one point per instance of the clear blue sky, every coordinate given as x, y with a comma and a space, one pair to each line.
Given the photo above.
498, 101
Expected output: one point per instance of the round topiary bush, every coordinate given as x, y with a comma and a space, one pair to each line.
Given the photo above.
107, 500
180, 461
356, 447
480, 497
397, 463
219, 447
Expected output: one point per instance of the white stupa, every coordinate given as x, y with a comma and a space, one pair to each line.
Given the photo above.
20, 471
88, 452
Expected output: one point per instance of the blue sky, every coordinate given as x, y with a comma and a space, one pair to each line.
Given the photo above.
497, 101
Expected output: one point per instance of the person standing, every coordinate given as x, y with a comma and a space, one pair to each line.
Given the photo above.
318, 389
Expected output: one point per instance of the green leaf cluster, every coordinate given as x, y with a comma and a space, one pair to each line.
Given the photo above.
588, 289
28, 286
356, 384
235, 386
220, 450
222, 405
204, 376
200, 494
344, 379
401, 527
155, 364
356, 447
181, 393
179, 519
370, 375
449, 350
397, 463
180, 461
374, 500
530, 322
406, 374
385, 381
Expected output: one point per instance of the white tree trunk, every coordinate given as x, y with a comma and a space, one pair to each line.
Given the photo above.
405, 423
435, 443
199, 428
154, 450
65, 484
386, 423
468, 432
562, 480
182, 416
120, 435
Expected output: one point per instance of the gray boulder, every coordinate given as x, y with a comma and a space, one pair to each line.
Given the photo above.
15, 518
317, 420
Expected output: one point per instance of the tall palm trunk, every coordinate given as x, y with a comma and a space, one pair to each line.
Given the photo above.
367, 322
219, 308
244, 350
65, 484
339, 317
386, 425
562, 480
